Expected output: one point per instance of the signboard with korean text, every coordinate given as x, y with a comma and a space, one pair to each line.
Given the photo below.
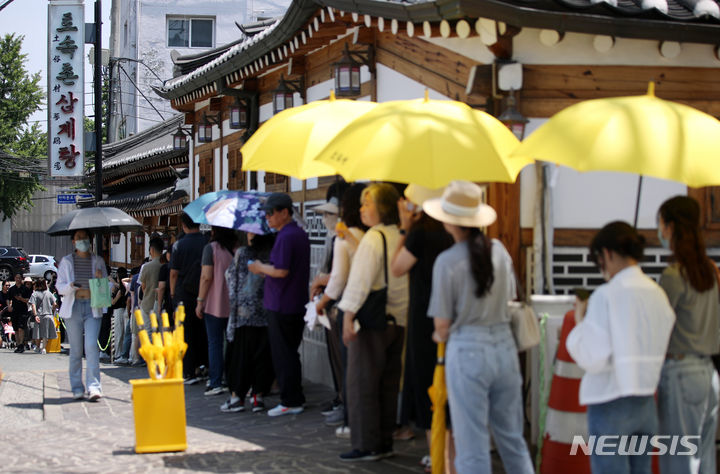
66, 104
71, 198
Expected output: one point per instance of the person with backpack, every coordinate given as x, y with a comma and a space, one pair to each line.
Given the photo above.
185, 268
213, 305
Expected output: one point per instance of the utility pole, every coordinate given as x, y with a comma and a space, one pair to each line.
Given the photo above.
97, 84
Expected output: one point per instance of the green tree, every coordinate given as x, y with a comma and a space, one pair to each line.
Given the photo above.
20, 96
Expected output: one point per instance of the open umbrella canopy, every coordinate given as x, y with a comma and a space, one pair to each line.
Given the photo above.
95, 219
239, 210
637, 134
288, 142
196, 209
426, 142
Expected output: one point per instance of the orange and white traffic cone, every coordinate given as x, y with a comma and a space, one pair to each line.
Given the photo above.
566, 418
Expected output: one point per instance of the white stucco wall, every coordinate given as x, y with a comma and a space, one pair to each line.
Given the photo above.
146, 40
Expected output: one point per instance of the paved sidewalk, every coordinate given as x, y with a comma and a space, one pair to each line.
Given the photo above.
45, 430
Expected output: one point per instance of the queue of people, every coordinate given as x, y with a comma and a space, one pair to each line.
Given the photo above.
401, 275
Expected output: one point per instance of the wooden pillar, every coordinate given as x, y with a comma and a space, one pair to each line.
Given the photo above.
505, 199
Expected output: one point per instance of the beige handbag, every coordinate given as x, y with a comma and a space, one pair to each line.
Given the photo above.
524, 321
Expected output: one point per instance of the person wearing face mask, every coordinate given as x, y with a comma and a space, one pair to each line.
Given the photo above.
620, 340
332, 409
82, 321
689, 384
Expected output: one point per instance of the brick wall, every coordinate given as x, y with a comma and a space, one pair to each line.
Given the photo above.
573, 268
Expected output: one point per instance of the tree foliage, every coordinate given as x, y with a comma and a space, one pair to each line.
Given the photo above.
20, 96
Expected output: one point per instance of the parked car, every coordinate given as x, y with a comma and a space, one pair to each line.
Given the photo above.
12, 260
42, 266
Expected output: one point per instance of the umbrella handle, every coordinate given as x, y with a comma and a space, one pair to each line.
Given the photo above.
441, 353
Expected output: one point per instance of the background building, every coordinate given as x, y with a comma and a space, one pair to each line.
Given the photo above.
144, 34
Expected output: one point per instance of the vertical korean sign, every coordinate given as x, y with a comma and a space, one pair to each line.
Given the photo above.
66, 79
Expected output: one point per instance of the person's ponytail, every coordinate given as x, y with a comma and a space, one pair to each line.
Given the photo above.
481, 265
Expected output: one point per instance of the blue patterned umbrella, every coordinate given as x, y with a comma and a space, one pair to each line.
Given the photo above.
239, 210
196, 209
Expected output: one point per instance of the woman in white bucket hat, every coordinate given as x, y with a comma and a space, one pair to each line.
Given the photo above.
472, 283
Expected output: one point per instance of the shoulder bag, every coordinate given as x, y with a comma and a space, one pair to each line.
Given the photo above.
372, 314
523, 320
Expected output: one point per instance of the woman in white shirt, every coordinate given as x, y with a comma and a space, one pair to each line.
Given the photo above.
472, 283
620, 341
374, 354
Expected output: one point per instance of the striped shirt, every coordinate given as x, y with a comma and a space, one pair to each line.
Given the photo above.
83, 271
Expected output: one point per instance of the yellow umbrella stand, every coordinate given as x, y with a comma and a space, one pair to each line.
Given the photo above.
288, 142
159, 401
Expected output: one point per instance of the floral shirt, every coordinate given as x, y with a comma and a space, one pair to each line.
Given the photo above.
245, 290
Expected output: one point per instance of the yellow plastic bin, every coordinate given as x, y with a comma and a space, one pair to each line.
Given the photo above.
159, 409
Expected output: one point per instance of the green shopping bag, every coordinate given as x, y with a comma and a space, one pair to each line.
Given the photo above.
100, 293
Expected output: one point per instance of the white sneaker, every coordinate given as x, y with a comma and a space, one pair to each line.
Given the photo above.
343, 432
95, 395
44, 351
214, 391
281, 410
121, 361
78, 395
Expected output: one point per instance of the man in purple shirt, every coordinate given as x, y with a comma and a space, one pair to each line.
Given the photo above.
287, 278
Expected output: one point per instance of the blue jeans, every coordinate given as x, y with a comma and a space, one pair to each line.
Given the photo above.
688, 405
485, 395
82, 323
215, 328
127, 338
623, 416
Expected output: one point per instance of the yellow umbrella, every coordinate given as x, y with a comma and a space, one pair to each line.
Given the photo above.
426, 142
288, 142
438, 396
637, 134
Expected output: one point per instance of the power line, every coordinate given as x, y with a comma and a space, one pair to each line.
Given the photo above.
141, 92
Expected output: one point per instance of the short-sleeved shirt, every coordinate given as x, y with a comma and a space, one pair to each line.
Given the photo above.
122, 300
291, 252
696, 327
164, 276
453, 290
19, 307
43, 301
425, 246
187, 254
149, 276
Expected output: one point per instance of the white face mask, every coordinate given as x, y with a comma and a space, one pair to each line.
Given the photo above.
330, 221
82, 245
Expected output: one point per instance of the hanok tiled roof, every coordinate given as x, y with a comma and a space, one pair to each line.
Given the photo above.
695, 21
148, 200
148, 148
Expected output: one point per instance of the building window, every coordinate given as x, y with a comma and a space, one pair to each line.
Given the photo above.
186, 32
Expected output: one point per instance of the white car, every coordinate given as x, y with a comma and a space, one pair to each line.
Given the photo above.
42, 266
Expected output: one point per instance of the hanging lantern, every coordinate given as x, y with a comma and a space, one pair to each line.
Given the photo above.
115, 238
347, 75
179, 140
239, 115
139, 238
512, 118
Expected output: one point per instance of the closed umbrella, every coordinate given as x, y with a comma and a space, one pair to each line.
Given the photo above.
94, 219
438, 397
290, 140
426, 142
